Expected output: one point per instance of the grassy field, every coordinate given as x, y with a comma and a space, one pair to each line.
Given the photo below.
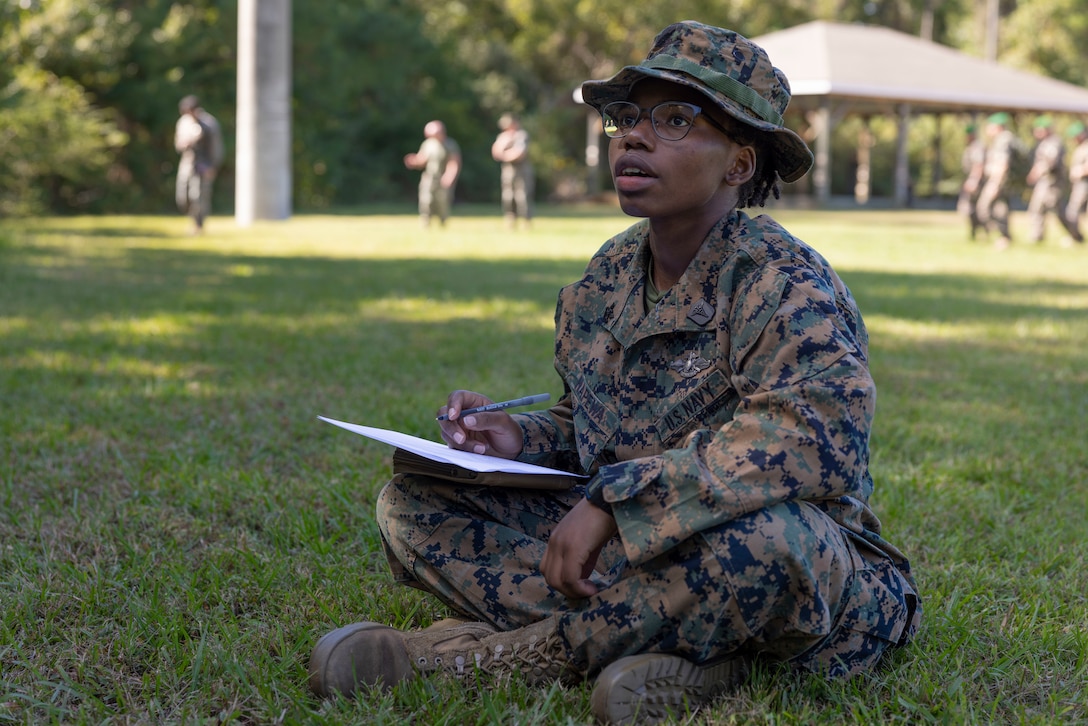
177, 528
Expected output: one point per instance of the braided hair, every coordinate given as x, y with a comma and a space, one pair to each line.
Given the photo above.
764, 182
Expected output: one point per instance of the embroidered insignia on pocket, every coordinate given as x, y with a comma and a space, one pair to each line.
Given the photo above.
690, 366
701, 312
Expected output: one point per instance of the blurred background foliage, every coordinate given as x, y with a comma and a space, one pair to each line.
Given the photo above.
89, 88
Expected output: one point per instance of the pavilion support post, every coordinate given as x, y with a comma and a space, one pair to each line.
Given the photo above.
902, 159
821, 177
863, 179
938, 171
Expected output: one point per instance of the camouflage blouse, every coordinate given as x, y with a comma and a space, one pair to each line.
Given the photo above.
745, 386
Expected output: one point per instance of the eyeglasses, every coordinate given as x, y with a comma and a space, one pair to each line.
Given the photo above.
671, 120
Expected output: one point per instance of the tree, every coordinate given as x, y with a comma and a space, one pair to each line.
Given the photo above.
54, 143
530, 55
114, 71
1047, 37
367, 77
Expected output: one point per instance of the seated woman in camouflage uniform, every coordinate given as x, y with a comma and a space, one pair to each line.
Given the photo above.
718, 396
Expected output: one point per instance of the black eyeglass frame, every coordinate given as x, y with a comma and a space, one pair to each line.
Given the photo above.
649, 112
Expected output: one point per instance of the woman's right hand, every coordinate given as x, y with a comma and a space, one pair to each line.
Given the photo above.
494, 433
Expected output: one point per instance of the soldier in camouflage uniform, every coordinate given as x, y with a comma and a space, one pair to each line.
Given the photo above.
1078, 176
993, 199
439, 157
973, 163
511, 150
199, 140
1047, 180
717, 395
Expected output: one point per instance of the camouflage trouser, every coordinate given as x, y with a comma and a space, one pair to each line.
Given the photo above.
517, 190
434, 199
967, 205
193, 194
785, 582
1078, 199
993, 209
1046, 197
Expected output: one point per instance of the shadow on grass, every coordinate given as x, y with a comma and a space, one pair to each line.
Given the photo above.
187, 329
148, 281
91, 230
219, 283
586, 209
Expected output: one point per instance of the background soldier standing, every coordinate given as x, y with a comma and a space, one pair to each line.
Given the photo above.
439, 157
511, 150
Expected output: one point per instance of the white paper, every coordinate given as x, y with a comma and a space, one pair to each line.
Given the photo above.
440, 452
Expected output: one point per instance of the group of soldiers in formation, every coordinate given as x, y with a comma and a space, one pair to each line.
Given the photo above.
989, 163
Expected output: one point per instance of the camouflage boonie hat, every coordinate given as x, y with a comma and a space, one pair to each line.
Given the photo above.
730, 70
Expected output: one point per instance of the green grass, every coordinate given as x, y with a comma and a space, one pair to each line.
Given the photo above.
177, 528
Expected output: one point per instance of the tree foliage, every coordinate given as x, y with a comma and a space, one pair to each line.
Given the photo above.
1057, 29
90, 87
131, 63
55, 144
367, 77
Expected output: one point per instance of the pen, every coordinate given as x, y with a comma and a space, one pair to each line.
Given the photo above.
503, 404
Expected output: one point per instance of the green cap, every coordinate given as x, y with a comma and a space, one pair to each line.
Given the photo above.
1000, 118
730, 70
1043, 122
1076, 129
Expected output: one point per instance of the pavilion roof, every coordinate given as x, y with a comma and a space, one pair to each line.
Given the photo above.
878, 68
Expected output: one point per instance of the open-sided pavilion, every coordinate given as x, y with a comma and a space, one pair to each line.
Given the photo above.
837, 69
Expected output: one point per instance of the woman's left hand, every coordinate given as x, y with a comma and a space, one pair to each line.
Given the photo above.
573, 549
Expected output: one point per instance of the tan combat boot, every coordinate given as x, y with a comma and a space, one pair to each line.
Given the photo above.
371, 654
654, 687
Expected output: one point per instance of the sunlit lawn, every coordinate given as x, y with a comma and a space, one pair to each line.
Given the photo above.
177, 528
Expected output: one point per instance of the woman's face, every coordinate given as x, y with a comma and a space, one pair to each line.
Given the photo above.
695, 177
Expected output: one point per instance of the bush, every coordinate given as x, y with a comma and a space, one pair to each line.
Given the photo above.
55, 146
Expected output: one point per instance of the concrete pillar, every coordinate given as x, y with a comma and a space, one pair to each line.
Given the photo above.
263, 137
